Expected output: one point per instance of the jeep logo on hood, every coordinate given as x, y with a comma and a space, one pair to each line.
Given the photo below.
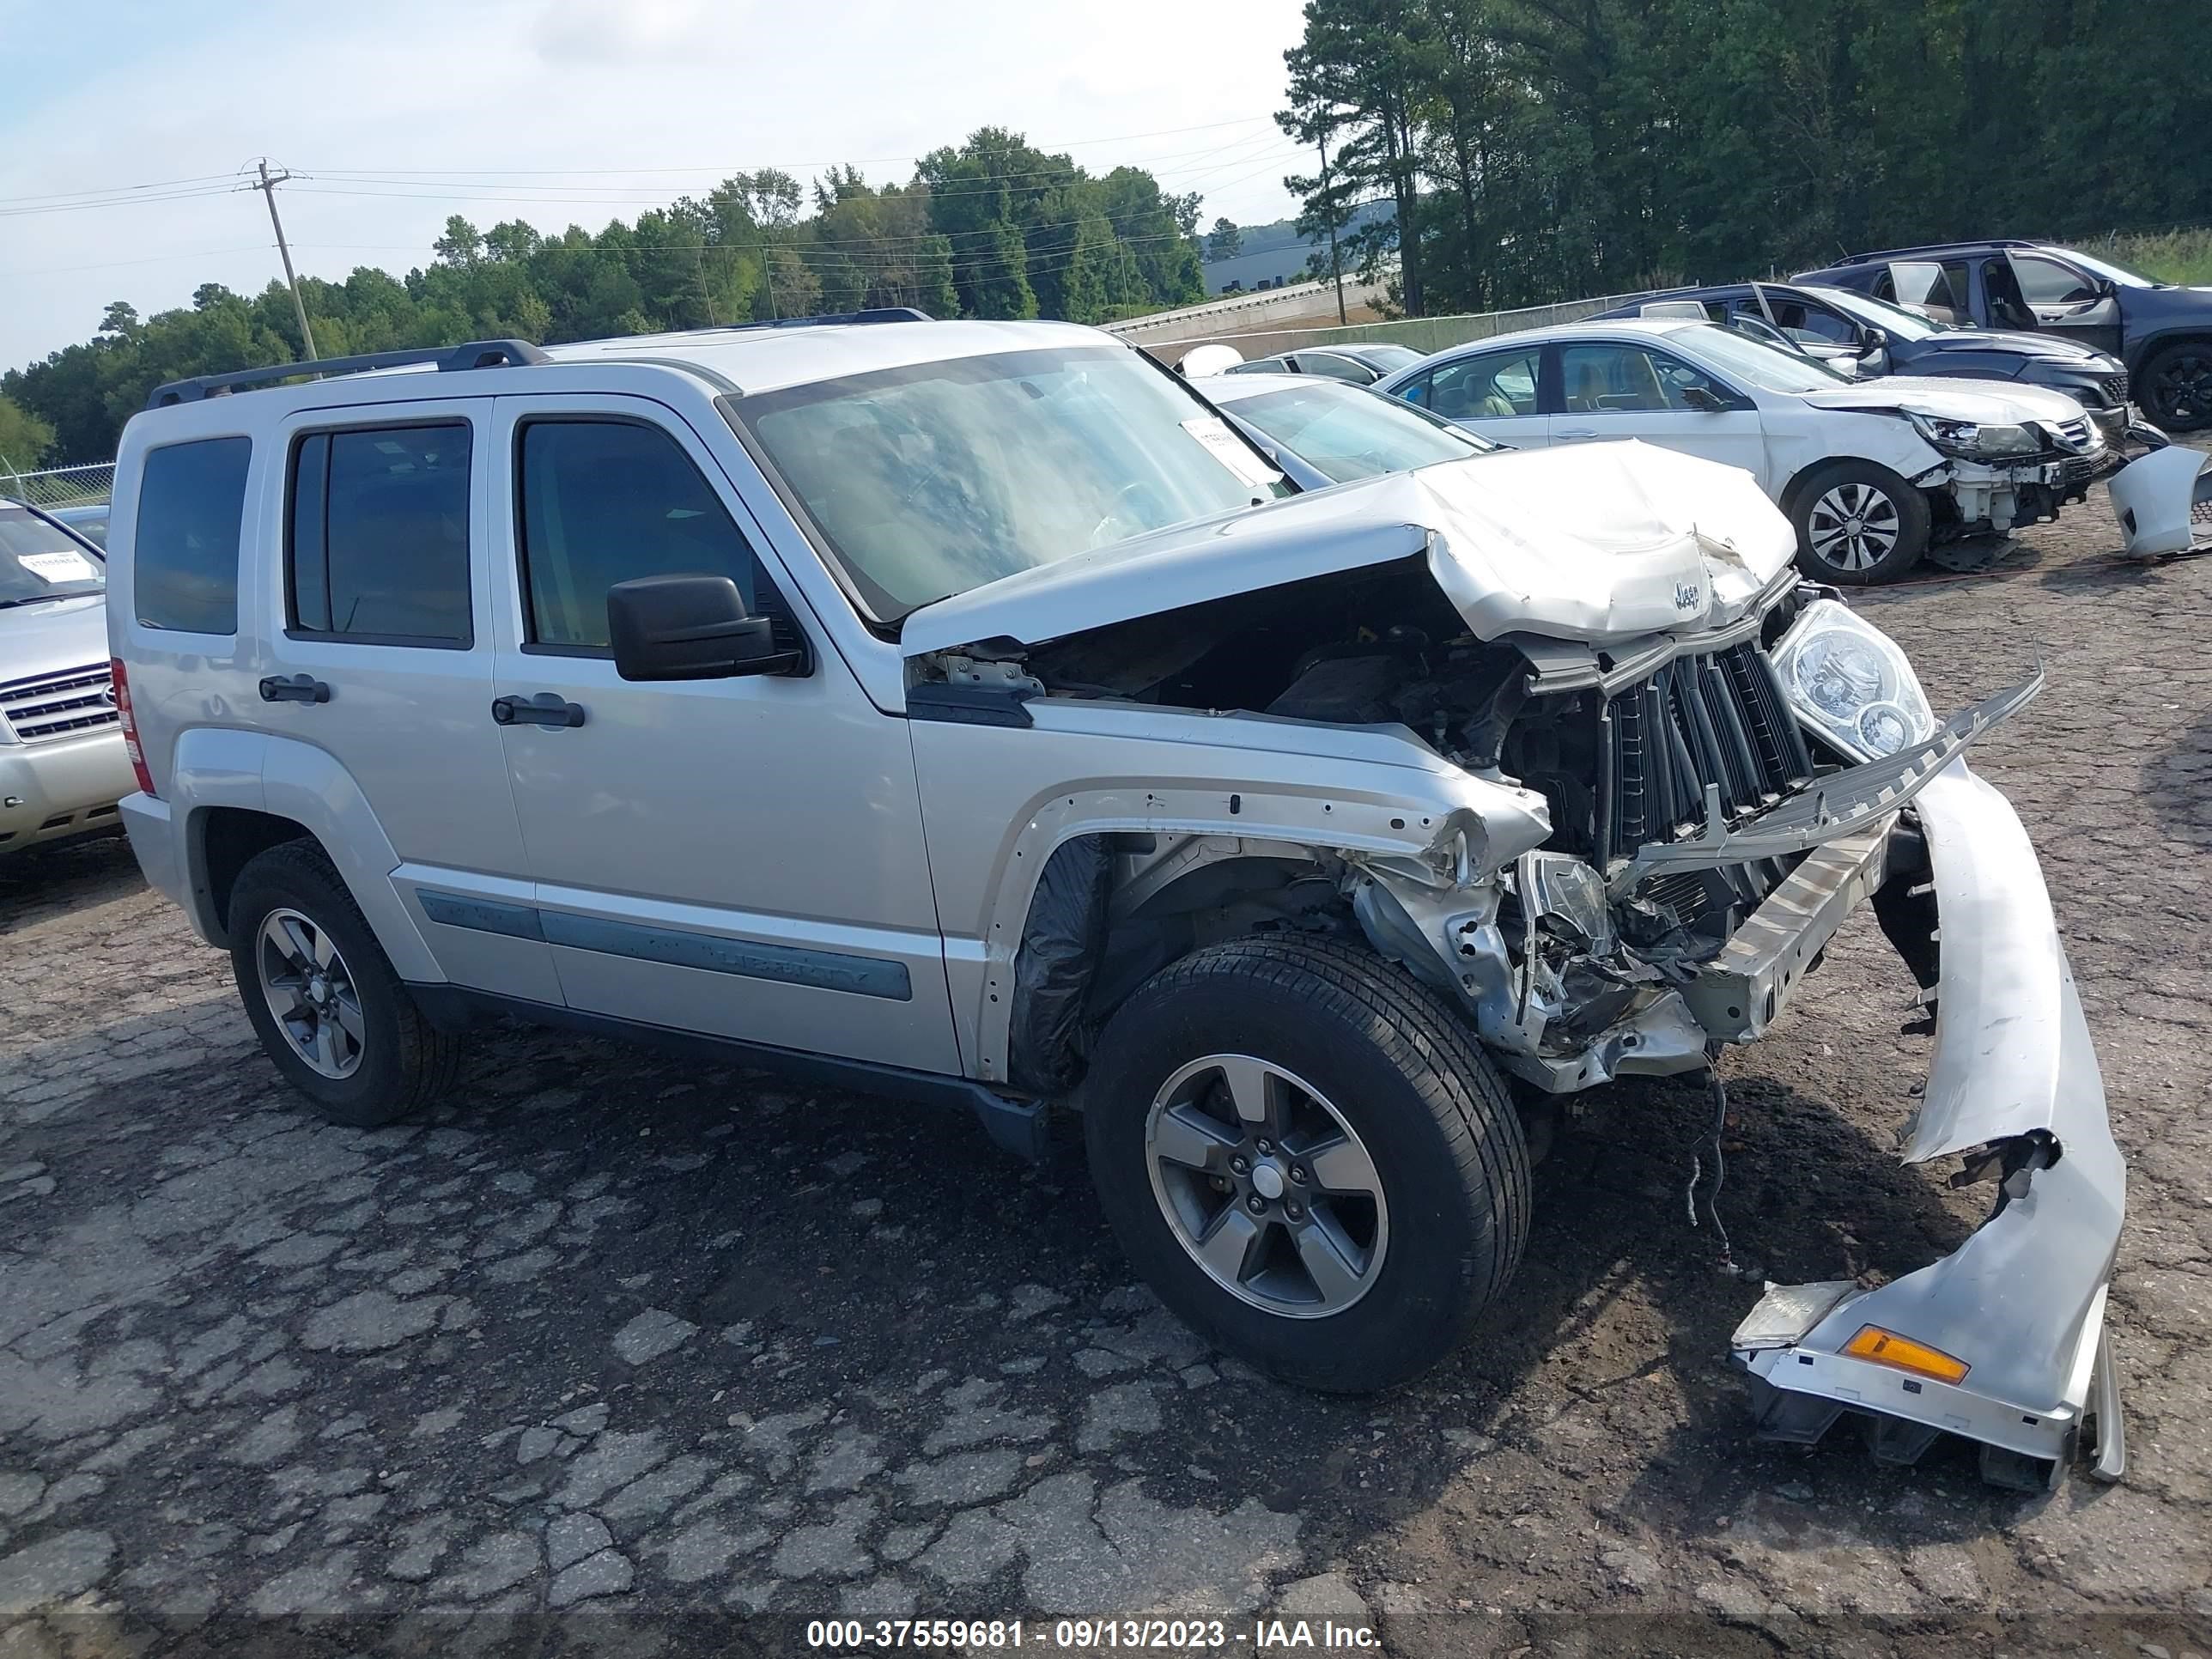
1686, 595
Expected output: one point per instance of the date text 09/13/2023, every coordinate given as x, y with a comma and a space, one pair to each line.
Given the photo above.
1167, 1634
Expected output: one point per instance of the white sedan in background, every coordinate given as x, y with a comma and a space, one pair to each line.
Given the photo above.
1871, 473
1324, 432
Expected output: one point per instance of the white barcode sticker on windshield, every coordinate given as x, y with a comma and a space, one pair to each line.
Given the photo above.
1231, 451
62, 567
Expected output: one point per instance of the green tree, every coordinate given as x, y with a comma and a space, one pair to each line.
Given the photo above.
1356, 79
1224, 241
992, 228
24, 438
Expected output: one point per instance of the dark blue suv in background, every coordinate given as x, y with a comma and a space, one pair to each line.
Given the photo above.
1861, 335
2162, 332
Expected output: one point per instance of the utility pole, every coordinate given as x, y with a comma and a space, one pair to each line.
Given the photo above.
706, 293
1328, 207
268, 188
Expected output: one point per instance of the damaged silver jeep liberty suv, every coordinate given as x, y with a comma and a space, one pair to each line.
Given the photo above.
967, 711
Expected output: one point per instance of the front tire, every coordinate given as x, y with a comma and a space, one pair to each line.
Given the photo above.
2175, 387
323, 997
1304, 1152
1858, 523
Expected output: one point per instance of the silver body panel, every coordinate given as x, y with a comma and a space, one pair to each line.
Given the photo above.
62, 774
2163, 501
2022, 1300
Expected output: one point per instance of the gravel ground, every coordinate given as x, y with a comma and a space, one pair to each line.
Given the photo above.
620, 1355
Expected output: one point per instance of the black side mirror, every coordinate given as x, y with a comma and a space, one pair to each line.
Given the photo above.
1873, 340
1703, 400
690, 627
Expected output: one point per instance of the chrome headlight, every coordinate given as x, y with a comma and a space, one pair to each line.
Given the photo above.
1848, 682
1973, 439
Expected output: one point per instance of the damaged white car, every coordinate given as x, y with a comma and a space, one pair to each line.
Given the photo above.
964, 711
1875, 475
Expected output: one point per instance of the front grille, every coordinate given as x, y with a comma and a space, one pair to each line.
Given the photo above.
62, 705
2116, 388
2074, 434
1716, 718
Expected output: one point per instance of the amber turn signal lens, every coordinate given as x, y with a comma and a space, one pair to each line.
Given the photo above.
1903, 1353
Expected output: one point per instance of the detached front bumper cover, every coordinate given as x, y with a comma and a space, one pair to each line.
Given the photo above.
2022, 1301
2163, 501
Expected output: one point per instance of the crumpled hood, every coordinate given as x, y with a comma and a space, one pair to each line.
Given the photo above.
1990, 403
1596, 542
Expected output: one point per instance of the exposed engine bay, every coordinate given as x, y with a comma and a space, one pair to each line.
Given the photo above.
1569, 943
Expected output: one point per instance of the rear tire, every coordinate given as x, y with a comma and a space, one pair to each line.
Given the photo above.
1857, 524
2175, 386
1374, 1082
323, 997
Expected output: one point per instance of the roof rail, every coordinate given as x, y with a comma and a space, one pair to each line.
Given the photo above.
476, 353
1935, 247
874, 314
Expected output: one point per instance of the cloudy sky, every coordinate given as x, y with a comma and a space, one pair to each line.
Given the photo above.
123, 125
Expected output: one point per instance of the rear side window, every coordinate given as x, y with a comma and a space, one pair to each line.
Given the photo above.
603, 502
1335, 368
191, 498
1497, 385
377, 549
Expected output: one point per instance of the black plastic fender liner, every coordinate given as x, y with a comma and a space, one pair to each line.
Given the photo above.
1905, 904
1063, 941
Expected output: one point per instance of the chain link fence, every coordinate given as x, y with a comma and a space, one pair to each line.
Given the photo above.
61, 486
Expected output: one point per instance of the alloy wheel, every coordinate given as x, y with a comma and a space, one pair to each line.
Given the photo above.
311, 993
1266, 1186
2181, 390
1854, 526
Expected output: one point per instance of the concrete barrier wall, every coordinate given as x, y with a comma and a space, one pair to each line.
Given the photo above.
1300, 306
1168, 342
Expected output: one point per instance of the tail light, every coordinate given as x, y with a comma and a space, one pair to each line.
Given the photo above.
130, 726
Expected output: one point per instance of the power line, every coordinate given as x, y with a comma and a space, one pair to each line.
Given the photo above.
496, 189
493, 186
217, 184
121, 201
118, 190
659, 199
152, 259
793, 166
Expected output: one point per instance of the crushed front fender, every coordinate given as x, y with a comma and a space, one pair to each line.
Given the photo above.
2014, 1085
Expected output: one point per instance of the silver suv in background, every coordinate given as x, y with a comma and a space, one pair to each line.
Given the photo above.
61, 762
967, 711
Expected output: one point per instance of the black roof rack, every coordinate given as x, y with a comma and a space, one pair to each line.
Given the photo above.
476, 353
1935, 247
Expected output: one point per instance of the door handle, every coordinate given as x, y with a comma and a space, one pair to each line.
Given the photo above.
546, 708
299, 688
1577, 432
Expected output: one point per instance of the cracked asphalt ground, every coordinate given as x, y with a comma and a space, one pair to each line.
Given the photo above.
618, 1354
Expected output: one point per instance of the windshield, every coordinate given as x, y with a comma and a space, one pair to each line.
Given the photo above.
1347, 432
38, 561
930, 480
1752, 361
1388, 358
1879, 313
2119, 274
